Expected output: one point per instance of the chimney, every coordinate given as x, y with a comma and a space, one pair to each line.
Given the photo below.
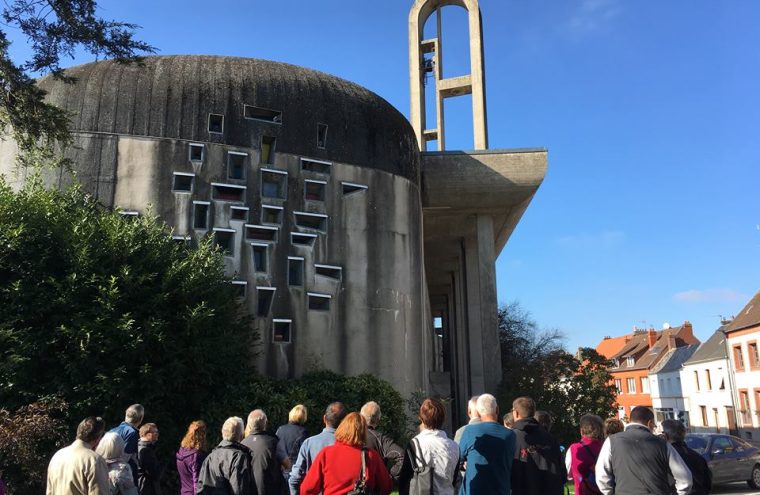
671, 341
687, 333
651, 337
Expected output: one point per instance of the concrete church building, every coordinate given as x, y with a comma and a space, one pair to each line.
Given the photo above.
348, 240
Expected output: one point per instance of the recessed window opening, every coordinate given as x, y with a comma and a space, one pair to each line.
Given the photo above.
239, 213
197, 152
200, 215
227, 192
225, 238
260, 113
183, 182
129, 214
265, 296
319, 302
259, 257
329, 271
316, 166
314, 190
236, 165
295, 271
321, 136
316, 221
271, 215
216, 123
274, 183
300, 239
183, 240
267, 150
351, 188
261, 233
281, 331
437, 322
240, 287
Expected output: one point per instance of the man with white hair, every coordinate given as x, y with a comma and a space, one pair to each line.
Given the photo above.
128, 430
227, 469
472, 413
266, 460
390, 452
488, 449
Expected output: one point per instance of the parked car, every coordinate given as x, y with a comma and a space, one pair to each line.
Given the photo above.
730, 458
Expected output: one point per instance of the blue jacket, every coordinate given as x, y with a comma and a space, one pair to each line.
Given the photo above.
306, 455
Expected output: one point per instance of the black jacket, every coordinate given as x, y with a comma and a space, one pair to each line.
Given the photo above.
266, 470
292, 436
538, 468
227, 471
700, 472
149, 470
389, 451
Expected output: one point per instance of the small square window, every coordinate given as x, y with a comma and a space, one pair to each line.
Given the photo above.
216, 123
281, 331
315, 166
295, 271
314, 190
225, 240
200, 215
265, 297
197, 152
183, 182
129, 214
259, 113
236, 165
261, 233
316, 221
319, 302
321, 136
300, 239
328, 271
274, 184
239, 213
271, 215
240, 287
260, 261
227, 192
267, 150
350, 188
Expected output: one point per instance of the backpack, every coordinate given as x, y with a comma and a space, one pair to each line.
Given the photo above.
589, 481
422, 480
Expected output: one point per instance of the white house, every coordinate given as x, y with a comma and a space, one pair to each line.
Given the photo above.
707, 387
665, 384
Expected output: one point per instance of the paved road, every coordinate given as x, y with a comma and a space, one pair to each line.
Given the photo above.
734, 488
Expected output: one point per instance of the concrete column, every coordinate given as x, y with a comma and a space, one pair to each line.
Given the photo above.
484, 355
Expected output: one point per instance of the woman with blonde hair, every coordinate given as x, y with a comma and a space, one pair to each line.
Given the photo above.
294, 433
341, 467
120, 480
192, 451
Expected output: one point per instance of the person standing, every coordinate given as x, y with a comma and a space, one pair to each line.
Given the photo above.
390, 452
111, 448
538, 468
488, 449
637, 461
612, 426
293, 434
192, 451
128, 431
149, 469
433, 448
227, 469
675, 434
581, 457
472, 413
266, 465
334, 414
77, 469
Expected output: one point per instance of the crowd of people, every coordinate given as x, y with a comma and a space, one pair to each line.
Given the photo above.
490, 455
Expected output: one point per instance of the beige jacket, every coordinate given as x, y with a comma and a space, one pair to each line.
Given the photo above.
77, 470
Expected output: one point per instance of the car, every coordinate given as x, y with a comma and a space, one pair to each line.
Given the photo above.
729, 458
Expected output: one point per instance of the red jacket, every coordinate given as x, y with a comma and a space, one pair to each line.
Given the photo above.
337, 467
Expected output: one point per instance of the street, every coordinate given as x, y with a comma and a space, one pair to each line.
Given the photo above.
736, 488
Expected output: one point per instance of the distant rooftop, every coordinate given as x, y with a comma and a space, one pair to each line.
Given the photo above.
712, 349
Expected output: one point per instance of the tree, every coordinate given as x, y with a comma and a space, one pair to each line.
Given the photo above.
54, 29
535, 364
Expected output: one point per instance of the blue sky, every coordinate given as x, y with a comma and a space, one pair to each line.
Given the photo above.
649, 109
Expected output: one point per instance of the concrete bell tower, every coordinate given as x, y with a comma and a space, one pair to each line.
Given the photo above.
425, 56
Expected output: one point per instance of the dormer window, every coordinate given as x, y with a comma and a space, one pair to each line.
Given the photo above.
616, 363
630, 361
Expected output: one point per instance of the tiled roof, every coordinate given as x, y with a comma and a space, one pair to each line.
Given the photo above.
611, 346
748, 317
645, 358
712, 349
674, 359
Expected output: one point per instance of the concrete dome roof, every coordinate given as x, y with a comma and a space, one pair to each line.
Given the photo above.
172, 97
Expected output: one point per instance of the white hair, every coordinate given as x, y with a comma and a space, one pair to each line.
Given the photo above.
111, 447
232, 429
135, 414
257, 421
487, 405
371, 413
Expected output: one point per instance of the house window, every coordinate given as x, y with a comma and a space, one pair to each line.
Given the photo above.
259, 253
321, 136
216, 123
225, 239
240, 286
703, 410
281, 331
709, 380
329, 271
271, 215
300, 239
696, 379
316, 221
261, 233
738, 358
631, 385
197, 152
236, 165
316, 166
267, 150
265, 296
200, 215
227, 192
350, 188
644, 384
183, 182
239, 213
630, 361
295, 271
274, 183
754, 357
619, 386
263, 114
314, 190
319, 302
